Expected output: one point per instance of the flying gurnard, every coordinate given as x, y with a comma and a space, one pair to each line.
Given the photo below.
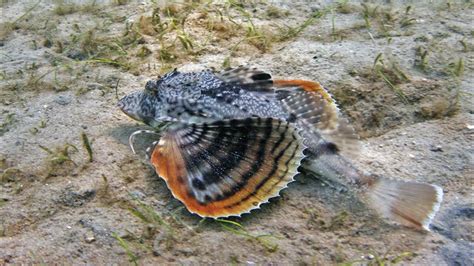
231, 140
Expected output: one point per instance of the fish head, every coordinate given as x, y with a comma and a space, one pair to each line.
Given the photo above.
140, 106
175, 97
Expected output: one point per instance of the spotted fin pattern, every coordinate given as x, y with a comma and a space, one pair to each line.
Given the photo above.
315, 111
249, 78
228, 167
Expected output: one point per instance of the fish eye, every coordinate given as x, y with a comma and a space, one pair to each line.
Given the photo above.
151, 86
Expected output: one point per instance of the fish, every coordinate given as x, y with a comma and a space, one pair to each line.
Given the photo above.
229, 141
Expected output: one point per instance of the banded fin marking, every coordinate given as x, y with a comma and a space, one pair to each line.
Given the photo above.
249, 78
228, 167
318, 115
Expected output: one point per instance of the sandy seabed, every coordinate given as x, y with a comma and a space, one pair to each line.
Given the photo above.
401, 72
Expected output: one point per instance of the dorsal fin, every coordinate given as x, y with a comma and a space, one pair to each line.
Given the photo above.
248, 78
316, 112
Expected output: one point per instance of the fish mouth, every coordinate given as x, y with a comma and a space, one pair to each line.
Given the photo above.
120, 104
123, 107
131, 116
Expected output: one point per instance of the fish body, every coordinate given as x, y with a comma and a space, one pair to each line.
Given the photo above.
235, 138
198, 97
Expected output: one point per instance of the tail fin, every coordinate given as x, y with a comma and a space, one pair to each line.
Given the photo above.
409, 203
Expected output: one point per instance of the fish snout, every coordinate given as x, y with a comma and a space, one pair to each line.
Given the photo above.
121, 104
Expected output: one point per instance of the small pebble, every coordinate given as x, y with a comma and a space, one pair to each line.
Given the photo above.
90, 237
370, 257
437, 148
63, 100
137, 194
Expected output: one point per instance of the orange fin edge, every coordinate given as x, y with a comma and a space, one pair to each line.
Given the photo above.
307, 85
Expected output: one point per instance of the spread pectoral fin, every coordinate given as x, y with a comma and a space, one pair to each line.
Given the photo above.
228, 167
